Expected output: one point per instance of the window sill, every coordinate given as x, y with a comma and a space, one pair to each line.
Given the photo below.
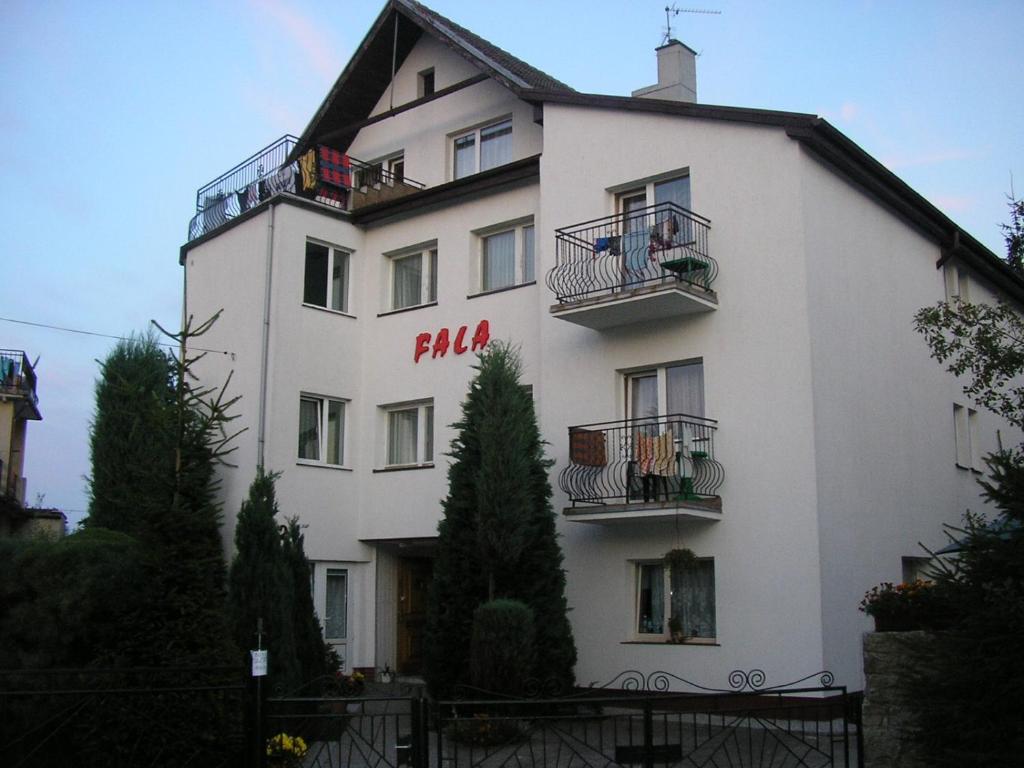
406, 309
707, 643
404, 467
321, 465
329, 310
501, 290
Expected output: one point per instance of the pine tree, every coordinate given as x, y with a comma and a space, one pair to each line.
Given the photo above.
260, 584
310, 648
497, 538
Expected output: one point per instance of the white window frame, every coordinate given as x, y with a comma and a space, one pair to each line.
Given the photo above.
334, 254
424, 449
524, 273
477, 135
323, 413
666, 635
428, 255
329, 572
661, 372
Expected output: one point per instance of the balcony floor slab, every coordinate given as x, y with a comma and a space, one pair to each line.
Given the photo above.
610, 514
653, 302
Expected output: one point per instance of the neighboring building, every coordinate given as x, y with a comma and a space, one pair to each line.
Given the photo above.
721, 354
18, 406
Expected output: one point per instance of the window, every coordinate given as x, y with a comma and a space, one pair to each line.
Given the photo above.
667, 389
336, 613
425, 86
410, 438
396, 170
664, 594
322, 430
915, 568
507, 258
482, 148
414, 278
968, 449
326, 277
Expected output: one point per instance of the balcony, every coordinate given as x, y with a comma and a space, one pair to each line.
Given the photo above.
18, 383
336, 179
647, 264
659, 467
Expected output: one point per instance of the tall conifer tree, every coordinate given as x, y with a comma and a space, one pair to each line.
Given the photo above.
497, 538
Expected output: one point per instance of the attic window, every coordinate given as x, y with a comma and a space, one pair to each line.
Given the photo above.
426, 83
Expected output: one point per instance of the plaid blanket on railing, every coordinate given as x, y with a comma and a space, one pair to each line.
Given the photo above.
334, 170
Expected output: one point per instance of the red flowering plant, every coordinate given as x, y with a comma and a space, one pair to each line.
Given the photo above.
904, 607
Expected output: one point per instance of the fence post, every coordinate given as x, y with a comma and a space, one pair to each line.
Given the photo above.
648, 735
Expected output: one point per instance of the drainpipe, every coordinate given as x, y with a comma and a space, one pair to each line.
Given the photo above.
262, 425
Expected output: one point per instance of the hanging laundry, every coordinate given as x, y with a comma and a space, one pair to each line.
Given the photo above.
308, 167
645, 454
334, 168
282, 181
665, 455
252, 194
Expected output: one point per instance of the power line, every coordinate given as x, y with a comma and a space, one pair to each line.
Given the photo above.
106, 335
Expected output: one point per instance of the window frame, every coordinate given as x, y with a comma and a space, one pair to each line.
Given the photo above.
524, 265
424, 449
347, 602
323, 404
661, 374
665, 636
477, 136
333, 254
426, 83
428, 255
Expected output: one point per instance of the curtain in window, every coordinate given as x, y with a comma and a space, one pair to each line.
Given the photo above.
428, 438
432, 287
499, 265
309, 429
335, 431
529, 273
339, 279
496, 145
676, 191
643, 396
407, 279
686, 389
693, 599
651, 618
336, 613
402, 436
465, 156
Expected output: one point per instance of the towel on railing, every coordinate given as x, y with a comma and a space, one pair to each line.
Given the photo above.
334, 167
587, 448
644, 454
664, 449
307, 166
282, 181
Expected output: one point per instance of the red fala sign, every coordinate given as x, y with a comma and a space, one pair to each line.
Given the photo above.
443, 341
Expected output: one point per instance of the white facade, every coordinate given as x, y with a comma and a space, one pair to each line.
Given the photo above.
835, 429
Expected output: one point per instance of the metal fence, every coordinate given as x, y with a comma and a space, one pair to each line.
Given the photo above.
659, 244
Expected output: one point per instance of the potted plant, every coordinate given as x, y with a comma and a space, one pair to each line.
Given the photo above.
680, 559
902, 607
285, 751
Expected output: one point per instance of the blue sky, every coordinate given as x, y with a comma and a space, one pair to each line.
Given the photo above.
112, 114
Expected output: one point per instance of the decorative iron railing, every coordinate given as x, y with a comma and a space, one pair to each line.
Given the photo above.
659, 244
267, 173
657, 458
16, 375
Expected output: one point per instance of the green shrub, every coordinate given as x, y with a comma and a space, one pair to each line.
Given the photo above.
502, 647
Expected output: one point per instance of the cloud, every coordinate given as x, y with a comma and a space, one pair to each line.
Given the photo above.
935, 157
305, 34
953, 203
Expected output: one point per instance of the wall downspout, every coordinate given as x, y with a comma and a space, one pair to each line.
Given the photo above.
262, 424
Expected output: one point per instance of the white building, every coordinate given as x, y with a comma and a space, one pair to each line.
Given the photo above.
819, 445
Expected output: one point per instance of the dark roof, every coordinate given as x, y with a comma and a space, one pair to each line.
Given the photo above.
367, 76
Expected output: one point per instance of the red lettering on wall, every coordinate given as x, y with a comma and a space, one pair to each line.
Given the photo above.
422, 346
481, 335
441, 343
459, 347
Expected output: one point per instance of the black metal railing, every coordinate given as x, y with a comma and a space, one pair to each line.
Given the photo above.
659, 244
16, 375
657, 458
268, 172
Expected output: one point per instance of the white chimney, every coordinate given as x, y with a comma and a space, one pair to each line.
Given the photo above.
677, 74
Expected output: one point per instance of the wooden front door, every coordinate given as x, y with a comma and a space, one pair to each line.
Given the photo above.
414, 576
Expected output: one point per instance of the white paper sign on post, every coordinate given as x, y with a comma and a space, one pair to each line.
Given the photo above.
259, 663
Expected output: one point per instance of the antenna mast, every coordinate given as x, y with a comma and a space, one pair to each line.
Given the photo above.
673, 11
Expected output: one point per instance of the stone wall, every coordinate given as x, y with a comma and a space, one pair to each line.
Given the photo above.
887, 721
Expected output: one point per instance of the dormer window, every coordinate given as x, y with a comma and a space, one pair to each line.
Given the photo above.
426, 83
483, 148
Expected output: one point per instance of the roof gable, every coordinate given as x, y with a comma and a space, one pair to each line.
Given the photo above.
397, 29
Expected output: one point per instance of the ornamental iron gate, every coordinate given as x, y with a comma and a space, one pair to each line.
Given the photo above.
635, 720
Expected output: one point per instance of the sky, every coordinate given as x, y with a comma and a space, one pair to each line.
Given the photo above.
113, 114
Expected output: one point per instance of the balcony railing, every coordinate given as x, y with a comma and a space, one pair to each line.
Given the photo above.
659, 244
268, 173
17, 376
653, 459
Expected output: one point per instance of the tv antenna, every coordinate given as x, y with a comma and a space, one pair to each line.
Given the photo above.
673, 11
